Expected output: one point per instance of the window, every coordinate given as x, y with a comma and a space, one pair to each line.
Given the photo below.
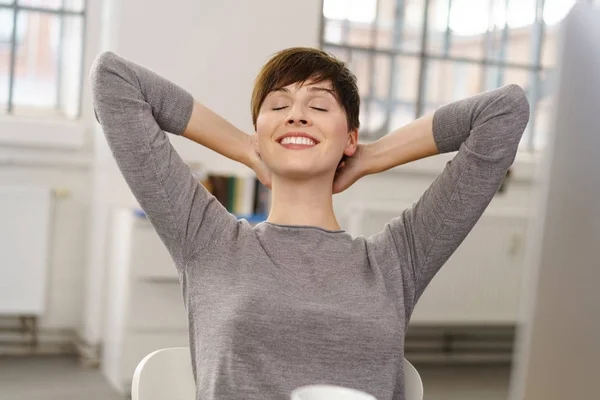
412, 56
41, 57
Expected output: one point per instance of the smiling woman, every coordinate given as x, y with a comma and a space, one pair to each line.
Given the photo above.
300, 301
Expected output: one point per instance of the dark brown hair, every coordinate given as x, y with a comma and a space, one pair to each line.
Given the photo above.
302, 64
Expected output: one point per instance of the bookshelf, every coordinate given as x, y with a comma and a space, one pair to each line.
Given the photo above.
243, 196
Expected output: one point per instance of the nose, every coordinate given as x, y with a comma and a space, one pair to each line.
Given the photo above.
297, 117
293, 121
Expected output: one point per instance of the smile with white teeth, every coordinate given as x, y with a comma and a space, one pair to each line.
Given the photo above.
298, 140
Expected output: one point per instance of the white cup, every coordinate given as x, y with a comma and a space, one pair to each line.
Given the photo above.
329, 392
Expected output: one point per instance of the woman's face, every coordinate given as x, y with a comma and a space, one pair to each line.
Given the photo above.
302, 131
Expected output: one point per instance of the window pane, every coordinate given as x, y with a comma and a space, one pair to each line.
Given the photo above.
550, 47
6, 18
340, 54
381, 76
349, 21
413, 25
36, 72
519, 47
333, 31
459, 31
361, 67
520, 13
372, 118
69, 56
402, 114
543, 123
6, 27
74, 5
448, 81
556, 10
542, 113
384, 26
53, 4
406, 79
358, 33
518, 76
352, 10
400, 29
71, 5
376, 84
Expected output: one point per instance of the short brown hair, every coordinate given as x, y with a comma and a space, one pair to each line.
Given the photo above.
301, 64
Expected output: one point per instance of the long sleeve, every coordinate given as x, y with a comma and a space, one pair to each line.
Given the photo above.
486, 130
135, 107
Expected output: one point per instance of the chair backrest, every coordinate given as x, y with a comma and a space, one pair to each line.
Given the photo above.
167, 374
164, 374
413, 385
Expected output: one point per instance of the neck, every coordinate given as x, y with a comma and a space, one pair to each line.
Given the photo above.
303, 202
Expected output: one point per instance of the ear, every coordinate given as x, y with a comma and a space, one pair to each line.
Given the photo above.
352, 143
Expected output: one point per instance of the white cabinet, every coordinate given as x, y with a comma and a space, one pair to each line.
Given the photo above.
144, 304
480, 283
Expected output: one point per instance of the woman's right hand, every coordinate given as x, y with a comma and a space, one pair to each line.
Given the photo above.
255, 162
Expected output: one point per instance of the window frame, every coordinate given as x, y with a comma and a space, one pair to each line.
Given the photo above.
424, 56
17, 8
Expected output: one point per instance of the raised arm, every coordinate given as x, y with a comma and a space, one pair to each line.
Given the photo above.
135, 107
486, 130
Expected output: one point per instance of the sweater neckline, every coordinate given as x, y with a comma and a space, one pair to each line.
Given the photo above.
303, 227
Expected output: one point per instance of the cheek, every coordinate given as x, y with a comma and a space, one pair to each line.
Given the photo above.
339, 127
265, 128
264, 124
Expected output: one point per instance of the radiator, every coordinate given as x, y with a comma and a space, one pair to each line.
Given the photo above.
25, 222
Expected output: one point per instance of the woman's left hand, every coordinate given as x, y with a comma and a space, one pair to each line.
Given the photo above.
352, 169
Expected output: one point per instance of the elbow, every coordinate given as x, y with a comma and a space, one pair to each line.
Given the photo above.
516, 110
107, 69
518, 105
99, 70
102, 64
99, 77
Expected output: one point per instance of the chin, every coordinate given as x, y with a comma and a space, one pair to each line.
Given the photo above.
302, 172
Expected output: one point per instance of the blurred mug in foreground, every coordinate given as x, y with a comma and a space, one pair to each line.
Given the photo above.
329, 392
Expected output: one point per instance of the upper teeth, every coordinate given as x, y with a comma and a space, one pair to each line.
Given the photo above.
297, 140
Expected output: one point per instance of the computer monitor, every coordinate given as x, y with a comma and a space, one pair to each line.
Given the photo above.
557, 352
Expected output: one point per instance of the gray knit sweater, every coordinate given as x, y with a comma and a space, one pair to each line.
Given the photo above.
274, 307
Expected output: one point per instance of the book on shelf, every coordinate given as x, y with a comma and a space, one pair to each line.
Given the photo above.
243, 196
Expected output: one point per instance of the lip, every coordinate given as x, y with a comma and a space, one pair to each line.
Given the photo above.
296, 134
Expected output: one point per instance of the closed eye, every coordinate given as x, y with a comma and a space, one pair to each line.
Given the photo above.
318, 109
279, 108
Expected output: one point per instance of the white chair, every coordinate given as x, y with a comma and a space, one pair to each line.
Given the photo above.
164, 374
167, 374
413, 385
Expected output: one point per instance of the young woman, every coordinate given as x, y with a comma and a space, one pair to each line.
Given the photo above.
295, 300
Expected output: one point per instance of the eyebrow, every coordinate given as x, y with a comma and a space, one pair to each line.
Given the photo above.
310, 89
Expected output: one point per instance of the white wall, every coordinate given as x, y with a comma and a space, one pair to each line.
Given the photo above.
57, 154
67, 255
212, 49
